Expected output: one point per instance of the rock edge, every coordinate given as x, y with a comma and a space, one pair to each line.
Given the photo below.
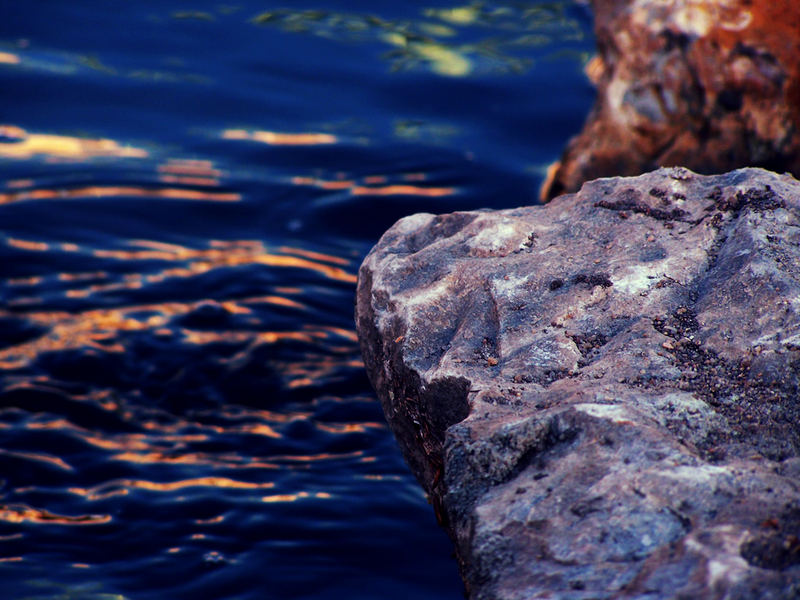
600, 395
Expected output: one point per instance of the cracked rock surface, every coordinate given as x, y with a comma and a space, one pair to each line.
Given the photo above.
601, 395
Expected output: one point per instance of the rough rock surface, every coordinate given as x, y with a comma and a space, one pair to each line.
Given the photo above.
712, 85
601, 394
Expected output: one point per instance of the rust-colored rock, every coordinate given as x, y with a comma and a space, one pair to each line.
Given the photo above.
711, 85
602, 394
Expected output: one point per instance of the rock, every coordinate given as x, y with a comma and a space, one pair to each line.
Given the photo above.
712, 85
601, 395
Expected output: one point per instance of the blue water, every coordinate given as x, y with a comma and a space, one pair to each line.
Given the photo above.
186, 192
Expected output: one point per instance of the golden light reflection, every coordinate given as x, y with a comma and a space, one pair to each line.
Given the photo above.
231, 254
99, 191
27, 145
273, 138
43, 458
295, 497
11, 559
404, 190
346, 428
24, 281
189, 172
184, 180
211, 521
311, 458
216, 482
27, 245
82, 276
8, 58
123, 486
356, 189
20, 183
97, 328
320, 256
191, 167
25, 514
140, 448
349, 334
277, 300
260, 429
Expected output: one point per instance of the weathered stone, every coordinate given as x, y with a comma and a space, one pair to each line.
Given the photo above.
712, 85
601, 395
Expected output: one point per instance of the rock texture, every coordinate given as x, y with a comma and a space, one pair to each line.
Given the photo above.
601, 394
712, 85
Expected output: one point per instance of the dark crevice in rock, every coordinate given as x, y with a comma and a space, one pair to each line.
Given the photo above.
777, 545
758, 402
593, 279
676, 214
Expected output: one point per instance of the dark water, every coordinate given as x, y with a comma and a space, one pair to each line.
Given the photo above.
186, 191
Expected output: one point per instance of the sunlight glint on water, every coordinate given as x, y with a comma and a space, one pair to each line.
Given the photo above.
186, 192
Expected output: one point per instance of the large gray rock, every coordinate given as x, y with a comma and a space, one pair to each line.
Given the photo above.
600, 395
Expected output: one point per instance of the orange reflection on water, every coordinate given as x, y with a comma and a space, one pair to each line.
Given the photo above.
168, 457
189, 172
43, 458
195, 168
275, 260
211, 521
280, 139
216, 482
121, 487
321, 256
20, 183
260, 429
403, 190
27, 245
82, 276
184, 180
345, 428
231, 254
24, 514
277, 300
100, 191
323, 456
348, 334
8, 58
25, 281
27, 145
265, 337
370, 189
295, 497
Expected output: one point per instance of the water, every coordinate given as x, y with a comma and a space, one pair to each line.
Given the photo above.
186, 191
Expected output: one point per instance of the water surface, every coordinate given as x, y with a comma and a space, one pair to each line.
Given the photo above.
186, 192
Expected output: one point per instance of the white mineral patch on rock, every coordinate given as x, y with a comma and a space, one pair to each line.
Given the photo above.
499, 239
616, 413
638, 278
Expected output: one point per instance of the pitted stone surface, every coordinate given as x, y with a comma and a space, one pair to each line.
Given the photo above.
601, 394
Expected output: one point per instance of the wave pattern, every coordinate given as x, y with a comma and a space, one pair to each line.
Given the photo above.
186, 192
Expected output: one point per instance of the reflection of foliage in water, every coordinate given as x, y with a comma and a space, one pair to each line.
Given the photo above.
449, 41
